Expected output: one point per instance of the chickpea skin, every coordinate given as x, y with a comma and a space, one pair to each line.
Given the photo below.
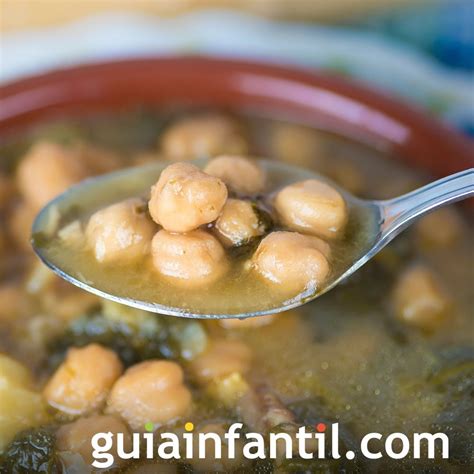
203, 136
240, 174
239, 223
120, 231
419, 300
313, 207
185, 198
76, 437
150, 392
221, 358
82, 382
47, 170
193, 259
293, 261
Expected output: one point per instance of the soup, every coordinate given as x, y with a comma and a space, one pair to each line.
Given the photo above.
388, 351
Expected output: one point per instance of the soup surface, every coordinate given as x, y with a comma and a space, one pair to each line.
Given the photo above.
390, 350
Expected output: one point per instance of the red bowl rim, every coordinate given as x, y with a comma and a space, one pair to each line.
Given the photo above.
344, 106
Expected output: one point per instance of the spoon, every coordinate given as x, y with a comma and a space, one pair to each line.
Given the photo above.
380, 222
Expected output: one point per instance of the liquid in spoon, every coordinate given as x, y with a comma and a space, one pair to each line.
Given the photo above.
240, 292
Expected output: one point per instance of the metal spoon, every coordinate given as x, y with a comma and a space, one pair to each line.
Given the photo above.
383, 220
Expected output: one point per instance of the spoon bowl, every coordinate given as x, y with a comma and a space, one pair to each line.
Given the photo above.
371, 226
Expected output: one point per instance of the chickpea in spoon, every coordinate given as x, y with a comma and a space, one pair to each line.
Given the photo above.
197, 235
186, 198
228, 237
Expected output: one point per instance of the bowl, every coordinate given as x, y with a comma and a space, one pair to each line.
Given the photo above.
319, 99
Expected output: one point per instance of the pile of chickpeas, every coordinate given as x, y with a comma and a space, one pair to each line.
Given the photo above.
92, 386
194, 216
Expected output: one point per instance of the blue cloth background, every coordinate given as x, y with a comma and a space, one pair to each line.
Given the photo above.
425, 55
444, 30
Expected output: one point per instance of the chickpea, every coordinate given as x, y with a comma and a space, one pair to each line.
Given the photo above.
97, 160
7, 190
14, 374
442, 228
298, 145
240, 174
203, 136
185, 198
76, 437
313, 207
221, 358
47, 170
3, 241
39, 278
248, 323
73, 233
13, 302
347, 175
294, 261
19, 225
39, 330
20, 409
65, 302
193, 259
150, 392
82, 382
394, 185
419, 300
228, 389
239, 223
120, 231
20, 406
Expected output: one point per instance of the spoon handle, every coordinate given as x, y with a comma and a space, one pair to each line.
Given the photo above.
398, 213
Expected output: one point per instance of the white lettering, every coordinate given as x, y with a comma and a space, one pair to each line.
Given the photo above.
259, 444
364, 446
431, 439
203, 437
232, 436
405, 445
288, 441
172, 445
134, 453
335, 441
100, 453
302, 436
